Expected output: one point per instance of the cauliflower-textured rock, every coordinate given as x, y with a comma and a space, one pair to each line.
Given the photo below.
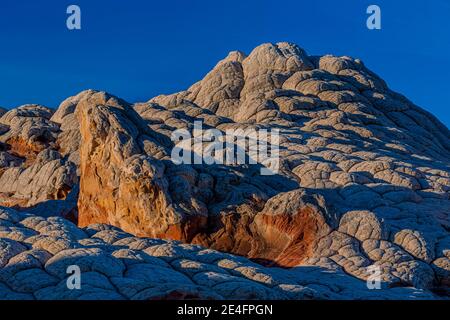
33, 170
363, 181
158, 269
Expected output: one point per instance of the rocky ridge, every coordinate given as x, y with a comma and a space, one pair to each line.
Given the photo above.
364, 178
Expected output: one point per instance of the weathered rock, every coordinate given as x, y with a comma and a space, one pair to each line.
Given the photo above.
49, 177
363, 181
160, 269
283, 232
33, 171
119, 184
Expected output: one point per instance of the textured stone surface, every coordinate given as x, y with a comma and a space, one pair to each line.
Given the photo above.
117, 265
32, 171
120, 184
364, 180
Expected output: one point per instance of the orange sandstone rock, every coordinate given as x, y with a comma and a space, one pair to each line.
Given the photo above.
119, 184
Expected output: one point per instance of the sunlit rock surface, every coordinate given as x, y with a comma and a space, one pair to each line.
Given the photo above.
364, 181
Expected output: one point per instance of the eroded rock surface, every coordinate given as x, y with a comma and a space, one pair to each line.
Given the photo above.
120, 184
36, 252
363, 180
33, 171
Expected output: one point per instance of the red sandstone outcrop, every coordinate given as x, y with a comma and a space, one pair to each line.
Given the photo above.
119, 184
282, 232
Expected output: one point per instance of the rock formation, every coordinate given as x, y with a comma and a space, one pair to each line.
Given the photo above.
363, 181
32, 171
35, 254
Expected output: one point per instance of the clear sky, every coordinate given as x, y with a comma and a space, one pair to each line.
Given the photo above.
138, 49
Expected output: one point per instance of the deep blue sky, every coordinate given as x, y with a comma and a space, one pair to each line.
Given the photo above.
138, 49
